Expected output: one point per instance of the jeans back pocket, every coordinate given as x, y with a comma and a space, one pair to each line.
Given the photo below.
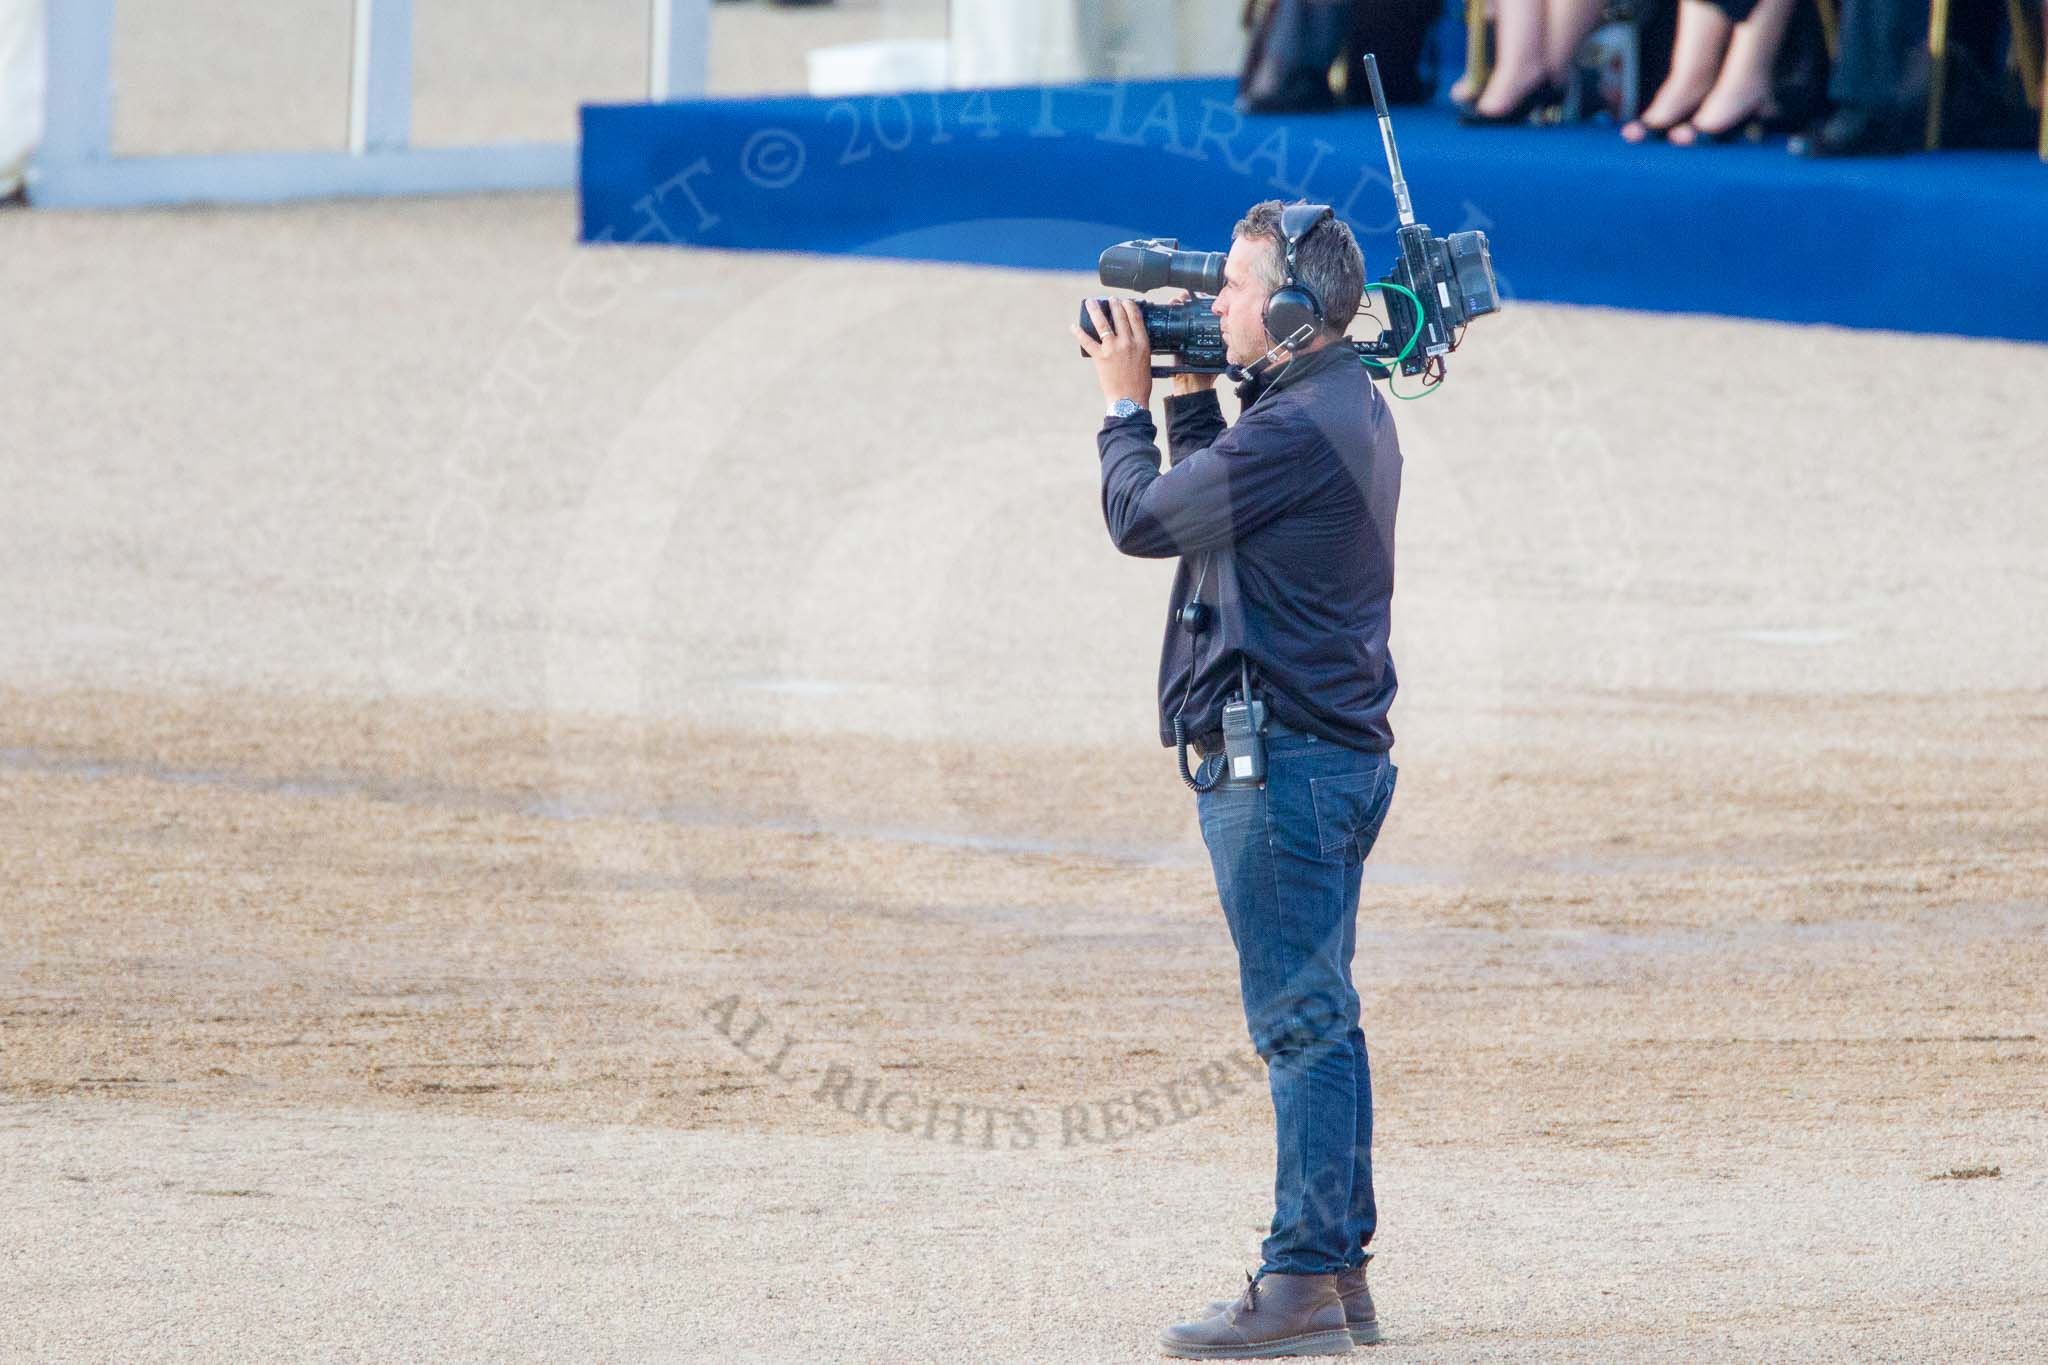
1350, 808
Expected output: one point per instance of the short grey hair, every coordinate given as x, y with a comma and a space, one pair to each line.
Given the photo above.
1328, 260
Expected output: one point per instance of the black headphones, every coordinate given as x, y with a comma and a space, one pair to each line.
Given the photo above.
1294, 305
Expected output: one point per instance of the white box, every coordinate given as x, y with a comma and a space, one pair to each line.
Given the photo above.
877, 67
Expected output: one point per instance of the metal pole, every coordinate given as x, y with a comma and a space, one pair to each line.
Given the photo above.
2026, 49
1937, 87
1830, 28
78, 104
678, 48
2042, 34
380, 77
1477, 65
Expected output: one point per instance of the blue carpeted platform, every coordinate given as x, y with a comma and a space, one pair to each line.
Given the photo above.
1047, 177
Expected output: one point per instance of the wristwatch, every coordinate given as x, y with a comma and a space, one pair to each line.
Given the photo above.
1124, 408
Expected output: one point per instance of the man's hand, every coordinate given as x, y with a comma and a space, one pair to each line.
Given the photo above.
1123, 357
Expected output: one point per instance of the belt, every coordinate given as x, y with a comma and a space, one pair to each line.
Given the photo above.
1211, 744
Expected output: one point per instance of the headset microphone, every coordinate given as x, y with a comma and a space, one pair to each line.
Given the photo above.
1301, 336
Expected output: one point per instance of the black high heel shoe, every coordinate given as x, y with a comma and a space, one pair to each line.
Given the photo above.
1541, 100
1758, 124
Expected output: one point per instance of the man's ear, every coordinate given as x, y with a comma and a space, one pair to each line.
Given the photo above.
1271, 340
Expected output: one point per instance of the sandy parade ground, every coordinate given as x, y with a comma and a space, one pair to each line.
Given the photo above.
566, 805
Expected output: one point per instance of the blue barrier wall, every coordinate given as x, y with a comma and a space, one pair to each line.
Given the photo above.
1045, 177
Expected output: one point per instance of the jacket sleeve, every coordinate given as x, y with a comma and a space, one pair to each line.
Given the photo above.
1244, 479
1193, 422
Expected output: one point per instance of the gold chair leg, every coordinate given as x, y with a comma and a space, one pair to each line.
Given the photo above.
1937, 85
1477, 65
2030, 55
1831, 28
2026, 49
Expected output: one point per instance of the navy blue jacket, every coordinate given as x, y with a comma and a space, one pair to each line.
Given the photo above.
1286, 521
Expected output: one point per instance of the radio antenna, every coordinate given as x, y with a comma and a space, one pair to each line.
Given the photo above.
1415, 245
1379, 104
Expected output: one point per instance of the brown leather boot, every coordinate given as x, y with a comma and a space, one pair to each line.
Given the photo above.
1277, 1315
1359, 1314
1360, 1317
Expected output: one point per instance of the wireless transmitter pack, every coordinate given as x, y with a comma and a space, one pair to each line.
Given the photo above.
1244, 729
1244, 748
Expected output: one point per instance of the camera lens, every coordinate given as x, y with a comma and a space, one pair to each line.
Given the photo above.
1198, 272
1146, 265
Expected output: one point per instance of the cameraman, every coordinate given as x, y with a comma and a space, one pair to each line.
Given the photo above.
1284, 524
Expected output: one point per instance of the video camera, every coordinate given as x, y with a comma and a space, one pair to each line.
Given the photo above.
1436, 286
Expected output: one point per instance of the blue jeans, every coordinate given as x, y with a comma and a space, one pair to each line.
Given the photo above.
1288, 859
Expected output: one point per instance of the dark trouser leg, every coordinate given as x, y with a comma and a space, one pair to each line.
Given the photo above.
1288, 859
1287, 66
1395, 32
1884, 67
1363, 1216
1881, 40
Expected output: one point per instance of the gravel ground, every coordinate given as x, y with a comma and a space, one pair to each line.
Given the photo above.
336, 1234
453, 684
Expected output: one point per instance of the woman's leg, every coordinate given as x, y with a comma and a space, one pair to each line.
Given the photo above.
1565, 28
1695, 61
1518, 62
1743, 89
